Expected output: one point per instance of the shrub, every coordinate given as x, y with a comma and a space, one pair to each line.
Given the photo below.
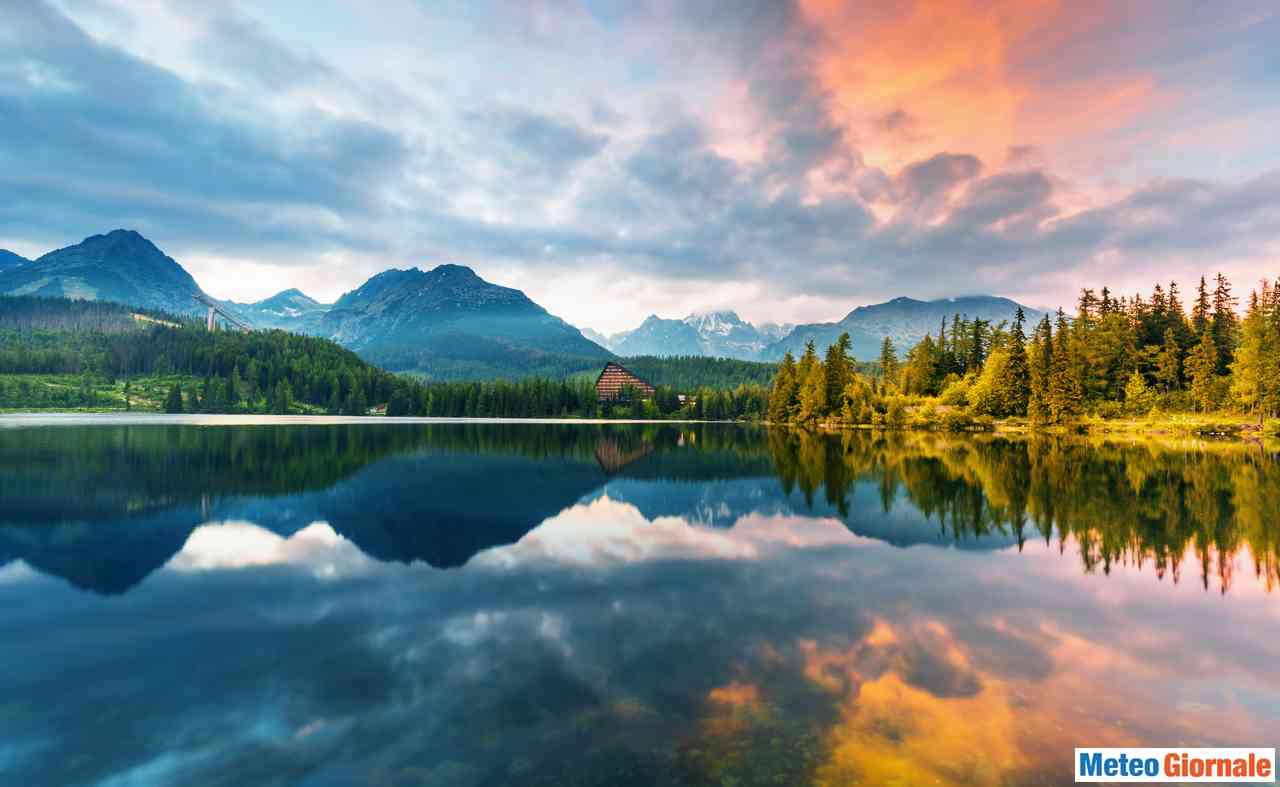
895, 416
986, 395
955, 391
925, 417
1138, 397
957, 421
1109, 409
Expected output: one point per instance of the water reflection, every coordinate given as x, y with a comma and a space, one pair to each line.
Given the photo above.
129, 497
647, 606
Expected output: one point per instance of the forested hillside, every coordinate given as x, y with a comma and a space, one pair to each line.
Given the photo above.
691, 371
262, 371
58, 314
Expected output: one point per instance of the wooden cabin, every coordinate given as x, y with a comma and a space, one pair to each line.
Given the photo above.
615, 383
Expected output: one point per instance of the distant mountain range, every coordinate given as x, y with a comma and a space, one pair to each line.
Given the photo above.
719, 334
904, 320
291, 310
445, 323
448, 323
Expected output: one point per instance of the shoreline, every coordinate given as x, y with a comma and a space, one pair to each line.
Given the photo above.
71, 418
1215, 427
1219, 428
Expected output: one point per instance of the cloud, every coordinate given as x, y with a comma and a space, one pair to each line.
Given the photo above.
819, 156
243, 47
925, 186
121, 141
545, 145
396, 668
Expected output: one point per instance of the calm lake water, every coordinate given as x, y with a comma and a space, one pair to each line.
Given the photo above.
494, 604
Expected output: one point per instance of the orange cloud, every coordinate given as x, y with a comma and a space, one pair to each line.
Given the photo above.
736, 694
892, 730
911, 80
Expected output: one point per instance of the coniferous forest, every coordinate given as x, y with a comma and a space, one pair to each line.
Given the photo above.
1135, 357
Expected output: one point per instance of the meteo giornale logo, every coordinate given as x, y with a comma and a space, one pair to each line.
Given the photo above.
1237, 765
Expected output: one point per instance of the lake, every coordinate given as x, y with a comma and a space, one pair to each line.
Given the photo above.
211, 602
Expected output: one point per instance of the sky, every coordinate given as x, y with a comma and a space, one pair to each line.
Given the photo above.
617, 158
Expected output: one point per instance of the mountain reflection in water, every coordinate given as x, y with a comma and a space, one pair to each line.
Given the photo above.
480, 604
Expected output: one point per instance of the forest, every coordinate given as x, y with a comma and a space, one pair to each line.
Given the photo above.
228, 371
1136, 357
62, 354
540, 398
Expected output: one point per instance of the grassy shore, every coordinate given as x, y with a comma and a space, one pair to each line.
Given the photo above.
65, 393
1169, 424
1216, 425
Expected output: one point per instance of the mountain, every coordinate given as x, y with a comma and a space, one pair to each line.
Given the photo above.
774, 331
595, 336
450, 323
723, 334
656, 336
720, 334
121, 266
291, 310
10, 260
446, 323
904, 320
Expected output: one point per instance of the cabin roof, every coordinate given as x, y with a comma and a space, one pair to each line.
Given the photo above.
624, 370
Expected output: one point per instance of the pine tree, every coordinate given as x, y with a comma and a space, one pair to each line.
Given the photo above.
1040, 363
951, 357
838, 368
813, 394
803, 367
1224, 323
783, 394
282, 399
1177, 318
358, 404
1201, 310
234, 386
1202, 366
889, 356
1255, 372
920, 375
1065, 394
1015, 382
978, 345
173, 401
1169, 362
1138, 398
